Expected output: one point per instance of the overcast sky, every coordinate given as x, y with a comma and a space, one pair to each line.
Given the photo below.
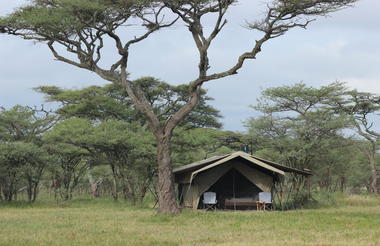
342, 47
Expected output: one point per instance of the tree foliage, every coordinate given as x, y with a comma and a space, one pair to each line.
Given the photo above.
82, 28
300, 128
363, 108
22, 157
112, 102
126, 147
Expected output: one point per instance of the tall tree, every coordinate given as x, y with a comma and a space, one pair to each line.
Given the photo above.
115, 125
363, 108
126, 147
22, 156
70, 164
82, 28
22, 166
300, 128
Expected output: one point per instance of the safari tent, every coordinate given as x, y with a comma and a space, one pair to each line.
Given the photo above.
236, 178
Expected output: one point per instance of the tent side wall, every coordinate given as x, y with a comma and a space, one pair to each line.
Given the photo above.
192, 192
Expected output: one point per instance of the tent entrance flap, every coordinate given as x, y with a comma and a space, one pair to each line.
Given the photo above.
193, 191
234, 185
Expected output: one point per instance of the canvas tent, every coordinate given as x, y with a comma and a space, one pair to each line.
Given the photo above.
234, 177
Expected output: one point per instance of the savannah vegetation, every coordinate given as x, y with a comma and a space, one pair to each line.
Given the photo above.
91, 170
77, 31
341, 220
97, 144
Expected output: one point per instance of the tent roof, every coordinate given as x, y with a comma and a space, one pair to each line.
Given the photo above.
286, 169
244, 156
217, 160
196, 165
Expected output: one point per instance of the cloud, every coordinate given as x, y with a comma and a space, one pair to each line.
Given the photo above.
7, 7
363, 16
342, 47
364, 84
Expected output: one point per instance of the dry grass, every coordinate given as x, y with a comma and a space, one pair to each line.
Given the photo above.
355, 222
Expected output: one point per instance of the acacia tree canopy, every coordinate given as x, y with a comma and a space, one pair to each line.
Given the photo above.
82, 27
22, 157
112, 102
363, 108
299, 124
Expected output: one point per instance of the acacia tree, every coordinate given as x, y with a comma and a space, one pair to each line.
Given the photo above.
22, 165
22, 158
301, 113
300, 128
82, 27
126, 147
116, 123
363, 107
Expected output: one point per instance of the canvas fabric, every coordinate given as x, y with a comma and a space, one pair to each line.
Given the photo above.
204, 180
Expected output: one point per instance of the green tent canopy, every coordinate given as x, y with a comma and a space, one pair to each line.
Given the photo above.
237, 175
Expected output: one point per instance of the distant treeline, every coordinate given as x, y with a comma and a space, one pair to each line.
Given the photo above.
97, 143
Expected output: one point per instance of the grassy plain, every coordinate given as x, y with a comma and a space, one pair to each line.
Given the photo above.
354, 221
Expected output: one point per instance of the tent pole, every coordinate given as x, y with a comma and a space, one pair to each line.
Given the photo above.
233, 188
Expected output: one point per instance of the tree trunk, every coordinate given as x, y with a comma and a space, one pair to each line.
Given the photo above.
374, 172
342, 184
35, 191
115, 190
10, 190
370, 151
30, 189
166, 191
93, 185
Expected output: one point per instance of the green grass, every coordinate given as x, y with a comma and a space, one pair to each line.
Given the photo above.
353, 220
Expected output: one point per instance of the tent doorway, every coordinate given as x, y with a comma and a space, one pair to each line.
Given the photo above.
234, 191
